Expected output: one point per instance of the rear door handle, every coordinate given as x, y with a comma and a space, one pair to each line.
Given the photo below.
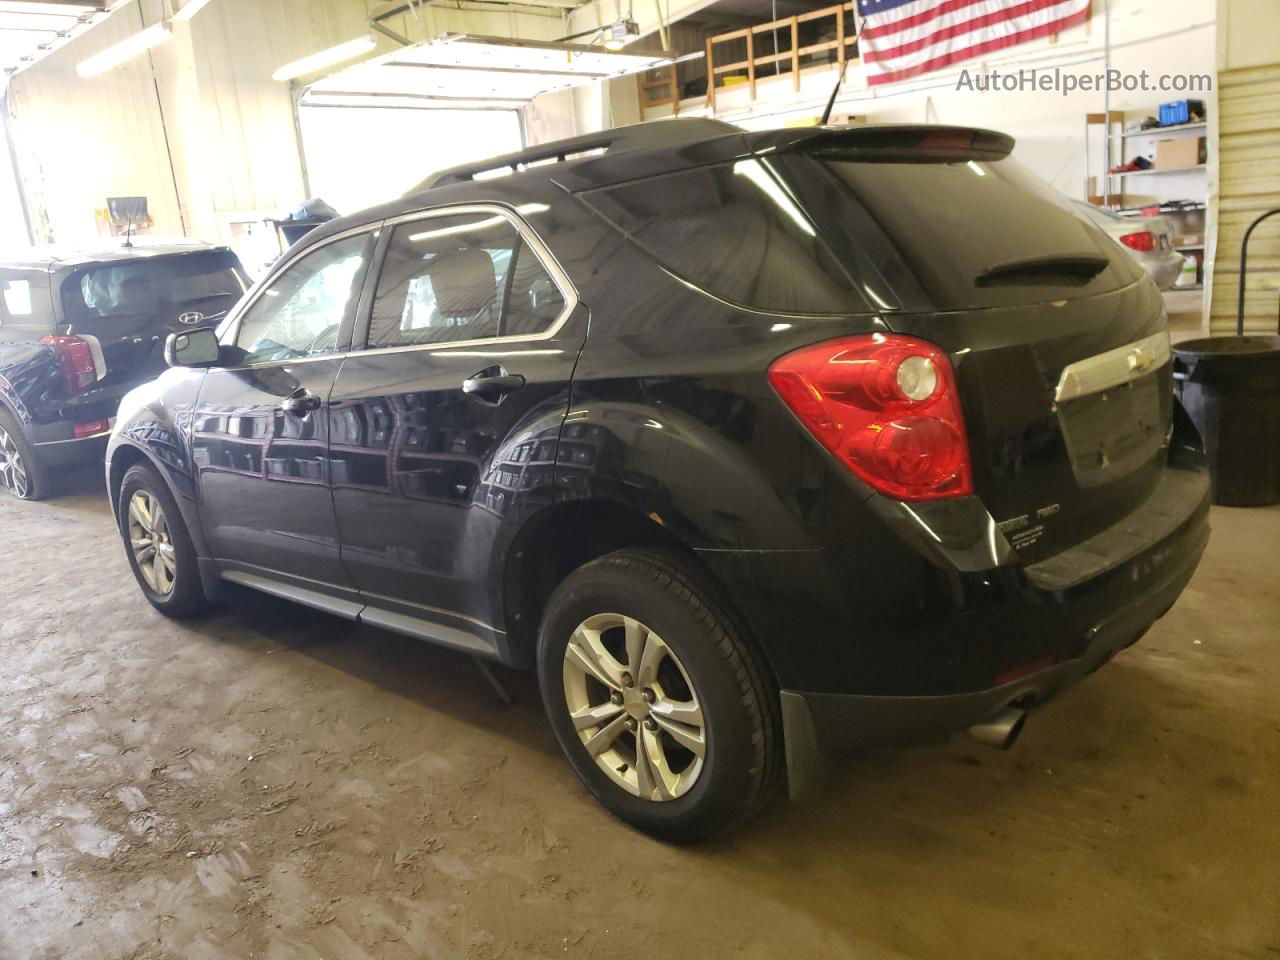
491, 387
300, 403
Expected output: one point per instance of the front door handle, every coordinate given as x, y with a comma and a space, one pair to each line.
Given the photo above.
300, 403
492, 385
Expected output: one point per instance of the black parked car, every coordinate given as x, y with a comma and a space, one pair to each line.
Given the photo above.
758, 446
78, 330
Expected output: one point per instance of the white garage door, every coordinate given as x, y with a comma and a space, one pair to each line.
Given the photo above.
359, 155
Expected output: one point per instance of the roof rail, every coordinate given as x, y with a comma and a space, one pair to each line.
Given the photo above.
637, 136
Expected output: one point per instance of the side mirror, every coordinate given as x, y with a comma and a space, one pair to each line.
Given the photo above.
199, 348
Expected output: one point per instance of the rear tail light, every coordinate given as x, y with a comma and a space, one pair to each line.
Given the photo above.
887, 407
75, 360
1144, 241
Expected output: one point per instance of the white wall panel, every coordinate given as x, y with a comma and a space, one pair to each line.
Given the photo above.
80, 140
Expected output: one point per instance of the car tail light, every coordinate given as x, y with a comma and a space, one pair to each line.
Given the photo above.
92, 428
887, 406
1144, 241
75, 359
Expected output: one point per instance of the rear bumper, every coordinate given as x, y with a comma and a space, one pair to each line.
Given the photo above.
958, 644
73, 453
820, 726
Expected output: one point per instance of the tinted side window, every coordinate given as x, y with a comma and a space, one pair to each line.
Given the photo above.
734, 231
465, 277
24, 300
301, 312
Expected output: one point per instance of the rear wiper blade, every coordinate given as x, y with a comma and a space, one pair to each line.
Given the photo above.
1075, 270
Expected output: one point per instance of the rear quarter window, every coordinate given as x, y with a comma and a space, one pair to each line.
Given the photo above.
734, 231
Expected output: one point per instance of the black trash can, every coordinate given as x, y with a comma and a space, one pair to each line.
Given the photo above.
1230, 387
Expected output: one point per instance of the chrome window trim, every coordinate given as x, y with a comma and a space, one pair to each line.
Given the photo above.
545, 257
1114, 367
230, 327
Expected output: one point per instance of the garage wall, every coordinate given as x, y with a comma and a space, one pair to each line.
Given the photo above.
197, 125
1248, 174
80, 141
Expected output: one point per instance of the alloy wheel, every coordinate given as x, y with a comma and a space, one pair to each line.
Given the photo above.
634, 707
13, 472
151, 544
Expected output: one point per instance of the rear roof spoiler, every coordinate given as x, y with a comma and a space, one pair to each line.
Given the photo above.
891, 142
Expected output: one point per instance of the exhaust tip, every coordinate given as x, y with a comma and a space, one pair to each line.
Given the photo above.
1001, 730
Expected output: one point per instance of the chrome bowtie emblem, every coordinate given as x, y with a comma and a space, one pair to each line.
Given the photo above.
191, 317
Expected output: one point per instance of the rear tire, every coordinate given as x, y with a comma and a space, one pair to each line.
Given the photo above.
158, 545
21, 473
662, 707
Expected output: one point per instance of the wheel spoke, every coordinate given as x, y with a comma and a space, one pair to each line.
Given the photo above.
654, 775
682, 711
690, 738
167, 557
650, 658
138, 509
163, 580
589, 717
587, 653
636, 635
603, 740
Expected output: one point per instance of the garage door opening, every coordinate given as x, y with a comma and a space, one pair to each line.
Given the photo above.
373, 130
358, 156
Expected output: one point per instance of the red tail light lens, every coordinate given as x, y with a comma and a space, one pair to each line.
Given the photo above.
887, 407
75, 359
91, 429
1143, 241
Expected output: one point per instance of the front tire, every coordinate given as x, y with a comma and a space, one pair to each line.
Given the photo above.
24, 476
158, 545
658, 701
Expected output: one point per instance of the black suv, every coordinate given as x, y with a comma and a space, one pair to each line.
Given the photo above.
78, 330
757, 446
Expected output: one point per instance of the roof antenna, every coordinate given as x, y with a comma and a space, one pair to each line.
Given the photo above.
826, 114
844, 65
128, 234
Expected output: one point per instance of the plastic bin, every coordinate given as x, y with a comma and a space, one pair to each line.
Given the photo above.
1230, 387
1179, 111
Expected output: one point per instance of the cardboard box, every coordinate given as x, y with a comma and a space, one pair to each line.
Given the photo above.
1171, 154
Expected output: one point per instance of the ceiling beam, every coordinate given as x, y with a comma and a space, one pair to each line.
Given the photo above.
97, 5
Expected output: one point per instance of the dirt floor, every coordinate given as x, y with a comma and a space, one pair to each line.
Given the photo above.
273, 782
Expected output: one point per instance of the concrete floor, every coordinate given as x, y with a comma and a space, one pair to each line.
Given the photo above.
273, 782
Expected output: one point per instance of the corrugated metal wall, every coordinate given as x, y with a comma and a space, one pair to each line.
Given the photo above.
1248, 185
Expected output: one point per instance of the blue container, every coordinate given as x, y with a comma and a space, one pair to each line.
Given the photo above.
1179, 112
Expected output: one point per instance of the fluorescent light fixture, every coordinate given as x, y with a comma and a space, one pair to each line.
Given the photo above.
190, 9
325, 58
618, 35
123, 51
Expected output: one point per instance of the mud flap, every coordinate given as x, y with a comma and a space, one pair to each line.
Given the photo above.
807, 765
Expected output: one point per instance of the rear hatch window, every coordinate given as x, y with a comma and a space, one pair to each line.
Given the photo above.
952, 233
132, 305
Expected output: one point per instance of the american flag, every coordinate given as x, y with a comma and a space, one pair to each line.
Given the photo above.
905, 38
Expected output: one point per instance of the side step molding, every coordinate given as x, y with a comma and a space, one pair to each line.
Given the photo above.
455, 638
